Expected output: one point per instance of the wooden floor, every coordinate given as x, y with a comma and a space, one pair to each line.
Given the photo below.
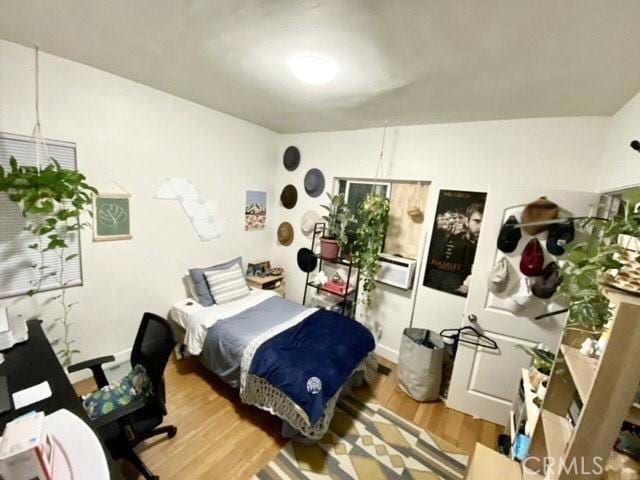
219, 437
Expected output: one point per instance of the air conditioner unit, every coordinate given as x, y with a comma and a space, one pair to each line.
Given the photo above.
396, 271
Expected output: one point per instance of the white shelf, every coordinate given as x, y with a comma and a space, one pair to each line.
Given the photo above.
533, 411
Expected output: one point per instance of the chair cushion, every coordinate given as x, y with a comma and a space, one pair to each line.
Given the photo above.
135, 384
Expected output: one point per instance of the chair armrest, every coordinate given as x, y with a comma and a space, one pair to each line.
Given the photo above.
95, 365
90, 363
118, 413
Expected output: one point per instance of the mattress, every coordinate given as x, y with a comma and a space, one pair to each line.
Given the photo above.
227, 339
196, 319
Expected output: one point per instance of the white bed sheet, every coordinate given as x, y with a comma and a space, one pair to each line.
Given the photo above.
196, 319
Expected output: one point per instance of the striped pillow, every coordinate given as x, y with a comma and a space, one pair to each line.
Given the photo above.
227, 284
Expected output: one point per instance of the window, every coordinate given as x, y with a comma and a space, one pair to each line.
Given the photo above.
355, 191
17, 260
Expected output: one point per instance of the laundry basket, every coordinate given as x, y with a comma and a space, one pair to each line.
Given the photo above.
420, 364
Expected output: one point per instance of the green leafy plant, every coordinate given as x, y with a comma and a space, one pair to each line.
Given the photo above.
373, 220
338, 219
51, 199
590, 263
542, 360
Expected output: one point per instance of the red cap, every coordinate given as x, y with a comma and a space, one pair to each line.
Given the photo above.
532, 259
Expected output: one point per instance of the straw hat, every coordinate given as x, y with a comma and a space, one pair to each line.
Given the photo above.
285, 233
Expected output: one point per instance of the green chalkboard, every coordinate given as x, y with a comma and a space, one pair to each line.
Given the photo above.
111, 220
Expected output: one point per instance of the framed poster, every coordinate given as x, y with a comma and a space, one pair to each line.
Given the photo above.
454, 241
255, 210
260, 269
111, 217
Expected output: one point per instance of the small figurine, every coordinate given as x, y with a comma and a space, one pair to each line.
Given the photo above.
320, 278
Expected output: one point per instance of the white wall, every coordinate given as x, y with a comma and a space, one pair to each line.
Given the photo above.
136, 136
620, 163
561, 153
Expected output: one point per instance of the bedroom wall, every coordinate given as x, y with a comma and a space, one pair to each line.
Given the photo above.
136, 136
620, 164
561, 153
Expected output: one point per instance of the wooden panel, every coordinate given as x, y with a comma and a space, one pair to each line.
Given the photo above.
582, 368
487, 463
612, 392
557, 433
560, 391
404, 234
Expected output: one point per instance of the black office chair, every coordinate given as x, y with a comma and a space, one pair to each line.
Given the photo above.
125, 427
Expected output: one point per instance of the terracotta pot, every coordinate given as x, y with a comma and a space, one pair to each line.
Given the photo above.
329, 248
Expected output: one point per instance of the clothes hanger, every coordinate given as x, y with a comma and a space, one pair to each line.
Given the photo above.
458, 335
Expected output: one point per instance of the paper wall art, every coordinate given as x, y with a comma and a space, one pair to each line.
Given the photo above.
111, 217
255, 210
201, 212
454, 241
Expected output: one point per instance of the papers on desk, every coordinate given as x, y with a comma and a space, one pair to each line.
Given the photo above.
31, 395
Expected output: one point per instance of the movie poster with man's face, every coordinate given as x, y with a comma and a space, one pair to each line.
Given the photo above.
454, 240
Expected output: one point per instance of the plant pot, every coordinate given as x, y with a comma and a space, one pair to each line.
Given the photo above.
628, 277
329, 248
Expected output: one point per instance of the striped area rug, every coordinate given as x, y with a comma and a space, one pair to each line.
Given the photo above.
368, 442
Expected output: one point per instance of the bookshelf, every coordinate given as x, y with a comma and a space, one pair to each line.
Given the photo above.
605, 387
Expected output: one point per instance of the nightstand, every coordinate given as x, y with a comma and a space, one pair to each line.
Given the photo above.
270, 282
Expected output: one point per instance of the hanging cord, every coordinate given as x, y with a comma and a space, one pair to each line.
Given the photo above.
379, 168
36, 135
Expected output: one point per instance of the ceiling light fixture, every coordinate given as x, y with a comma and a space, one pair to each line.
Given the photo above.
313, 69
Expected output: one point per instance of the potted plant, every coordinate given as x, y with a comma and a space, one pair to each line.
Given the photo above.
606, 257
338, 218
373, 220
51, 199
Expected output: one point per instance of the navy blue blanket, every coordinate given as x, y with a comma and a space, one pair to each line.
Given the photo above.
312, 360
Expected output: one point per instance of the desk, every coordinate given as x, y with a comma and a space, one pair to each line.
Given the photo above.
32, 362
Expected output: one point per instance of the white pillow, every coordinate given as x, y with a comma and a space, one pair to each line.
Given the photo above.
227, 285
188, 287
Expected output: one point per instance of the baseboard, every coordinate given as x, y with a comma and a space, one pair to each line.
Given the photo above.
387, 353
121, 357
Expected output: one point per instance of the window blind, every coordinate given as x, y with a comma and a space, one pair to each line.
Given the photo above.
17, 273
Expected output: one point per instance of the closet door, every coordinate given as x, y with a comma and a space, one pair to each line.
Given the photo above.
485, 382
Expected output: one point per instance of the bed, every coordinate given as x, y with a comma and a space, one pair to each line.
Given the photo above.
285, 358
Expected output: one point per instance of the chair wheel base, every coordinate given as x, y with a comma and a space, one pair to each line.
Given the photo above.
172, 432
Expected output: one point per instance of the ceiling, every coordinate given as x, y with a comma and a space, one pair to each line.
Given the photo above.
405, 61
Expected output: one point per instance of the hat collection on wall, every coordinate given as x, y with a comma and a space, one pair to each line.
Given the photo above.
537, 280
314, 185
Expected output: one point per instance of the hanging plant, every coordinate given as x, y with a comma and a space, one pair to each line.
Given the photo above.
373, 220
52, 199
593, 263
